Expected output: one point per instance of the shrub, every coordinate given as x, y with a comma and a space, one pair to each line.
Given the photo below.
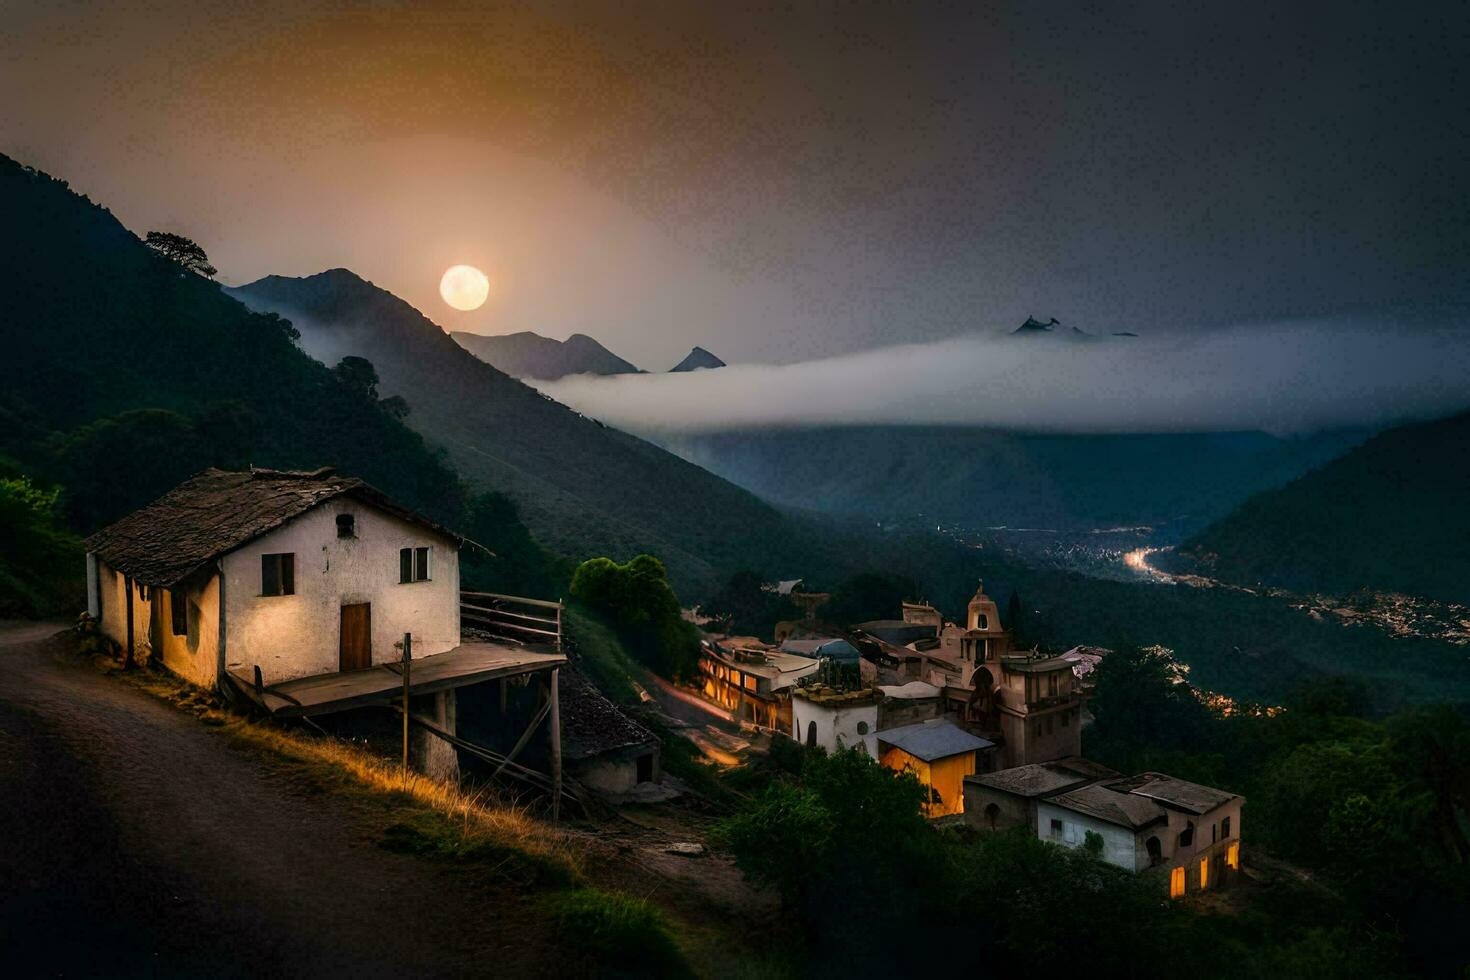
624, 934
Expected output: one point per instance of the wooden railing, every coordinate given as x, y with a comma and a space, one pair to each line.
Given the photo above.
512, 616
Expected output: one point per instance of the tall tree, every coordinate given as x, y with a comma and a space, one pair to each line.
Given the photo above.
186, 252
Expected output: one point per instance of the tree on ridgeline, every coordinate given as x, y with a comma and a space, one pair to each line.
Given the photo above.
185, 251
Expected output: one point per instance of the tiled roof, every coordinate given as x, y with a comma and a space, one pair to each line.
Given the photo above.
1106, 803
1177, 793
217, 511
592, 725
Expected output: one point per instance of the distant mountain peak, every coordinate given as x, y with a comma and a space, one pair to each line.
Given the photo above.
529, 355
1033, 325
698, 359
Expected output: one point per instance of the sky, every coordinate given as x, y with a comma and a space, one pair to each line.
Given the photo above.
783, 182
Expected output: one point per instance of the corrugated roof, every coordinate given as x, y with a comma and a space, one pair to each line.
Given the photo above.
937, 738
217, 511
1038, 779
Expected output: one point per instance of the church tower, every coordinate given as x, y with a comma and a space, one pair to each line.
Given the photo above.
985, 638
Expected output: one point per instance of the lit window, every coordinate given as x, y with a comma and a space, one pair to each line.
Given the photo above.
413, 564
1232, 856
1176, 883
1204, 873
278, 574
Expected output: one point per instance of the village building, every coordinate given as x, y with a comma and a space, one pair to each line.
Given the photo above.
312, 594
605, 750
834, 719
752, 681
1187, 834
1009, 797
940, 754
1028, 704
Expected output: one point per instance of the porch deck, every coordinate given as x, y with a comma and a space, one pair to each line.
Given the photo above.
469, 663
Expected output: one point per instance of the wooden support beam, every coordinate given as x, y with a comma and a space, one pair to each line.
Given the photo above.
407, 659
555, 746
525, 737
128, 653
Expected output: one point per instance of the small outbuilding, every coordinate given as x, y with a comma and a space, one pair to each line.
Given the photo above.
941, 754
605, 750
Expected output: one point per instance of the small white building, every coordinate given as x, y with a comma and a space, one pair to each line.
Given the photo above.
298, 574
831, 719
1151, 820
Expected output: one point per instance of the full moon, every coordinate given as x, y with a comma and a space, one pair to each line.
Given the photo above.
464, 287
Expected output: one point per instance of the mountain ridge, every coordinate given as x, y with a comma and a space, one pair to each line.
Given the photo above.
526, 354
584, 488
698, 359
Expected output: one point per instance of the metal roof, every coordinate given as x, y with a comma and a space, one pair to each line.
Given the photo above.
937, 738
1177, 793
1107, 803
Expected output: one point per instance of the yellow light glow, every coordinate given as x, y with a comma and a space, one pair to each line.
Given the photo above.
1232, 856
1204, 872
1176, 883
464, 287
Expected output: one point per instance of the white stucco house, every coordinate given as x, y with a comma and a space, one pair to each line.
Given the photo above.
824, 717
1151, 821
298, 574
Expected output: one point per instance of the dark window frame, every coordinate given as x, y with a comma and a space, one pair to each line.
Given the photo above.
278, 574
414, 564
346, 525
178, 611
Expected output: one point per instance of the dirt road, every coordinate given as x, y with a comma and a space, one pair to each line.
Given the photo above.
133, 840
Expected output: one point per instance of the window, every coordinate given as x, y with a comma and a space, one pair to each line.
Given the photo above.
1225, 827
1214, 832
811, 734
1204, 873
278, 574
1186, 836
413, 565
862, 728
1232, 856
982, 621
346, 526
1176, 883
1056, 827
178, 608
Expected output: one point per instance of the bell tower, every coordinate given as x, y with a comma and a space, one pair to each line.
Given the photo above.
985, 638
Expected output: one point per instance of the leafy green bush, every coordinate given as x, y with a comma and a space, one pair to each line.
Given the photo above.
41, 563
624, 935
638, 601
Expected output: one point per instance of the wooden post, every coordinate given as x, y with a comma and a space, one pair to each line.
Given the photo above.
555, 748
558, 626
128, 653
407, 666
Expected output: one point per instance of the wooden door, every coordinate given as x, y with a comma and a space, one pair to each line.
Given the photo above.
357, 636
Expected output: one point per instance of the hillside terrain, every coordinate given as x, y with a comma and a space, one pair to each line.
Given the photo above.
124, 374
530, 355
987, 478
584, 489
1390, 515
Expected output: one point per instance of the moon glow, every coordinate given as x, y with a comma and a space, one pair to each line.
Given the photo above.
464, 287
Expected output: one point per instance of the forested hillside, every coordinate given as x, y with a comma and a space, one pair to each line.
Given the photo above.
585, 489
1393, 514
124, 374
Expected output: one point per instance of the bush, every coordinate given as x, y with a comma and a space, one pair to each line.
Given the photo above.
638, 601
625, 934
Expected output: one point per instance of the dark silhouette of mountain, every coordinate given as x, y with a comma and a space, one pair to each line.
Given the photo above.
1391, 515
984, 477
530, 355
124, 373
584, 489
1053, 328
696, 360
